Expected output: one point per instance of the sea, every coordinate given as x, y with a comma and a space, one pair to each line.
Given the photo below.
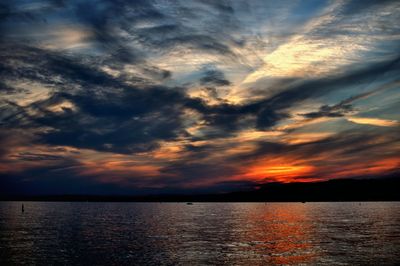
101, 233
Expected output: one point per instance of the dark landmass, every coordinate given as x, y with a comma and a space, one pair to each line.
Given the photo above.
333, 190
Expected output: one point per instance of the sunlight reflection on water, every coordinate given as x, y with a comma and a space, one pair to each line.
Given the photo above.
199, 234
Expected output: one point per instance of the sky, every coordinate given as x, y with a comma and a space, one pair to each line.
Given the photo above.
138, 97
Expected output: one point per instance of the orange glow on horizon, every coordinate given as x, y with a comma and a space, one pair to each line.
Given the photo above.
280, 169
289, 170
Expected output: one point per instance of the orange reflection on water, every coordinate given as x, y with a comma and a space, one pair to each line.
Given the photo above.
282, 234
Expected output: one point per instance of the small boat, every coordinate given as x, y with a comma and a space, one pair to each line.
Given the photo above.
189, 203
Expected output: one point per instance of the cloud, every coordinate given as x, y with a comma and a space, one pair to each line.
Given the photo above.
330, 42
121, 120
195, 94
373, 121
345, 107
330, 111
111, 115
339, 155
30, 156
214, 78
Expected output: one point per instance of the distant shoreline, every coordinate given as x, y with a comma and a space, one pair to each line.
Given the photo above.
346, 190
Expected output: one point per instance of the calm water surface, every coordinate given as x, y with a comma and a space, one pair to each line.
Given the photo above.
50, 233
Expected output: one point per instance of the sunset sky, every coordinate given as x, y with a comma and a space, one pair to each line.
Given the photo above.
136, 97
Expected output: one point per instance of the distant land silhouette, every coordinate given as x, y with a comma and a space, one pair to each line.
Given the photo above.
386, 189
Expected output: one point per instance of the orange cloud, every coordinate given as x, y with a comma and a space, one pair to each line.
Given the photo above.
278, 169
373, 121
367, 168
291, 169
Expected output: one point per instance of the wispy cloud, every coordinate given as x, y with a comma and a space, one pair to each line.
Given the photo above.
373, 121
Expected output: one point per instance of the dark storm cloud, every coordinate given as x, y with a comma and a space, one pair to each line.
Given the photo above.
111, 133
214, 78
345, 107
330, 111
267, 118
109, 115
128, 120
30, 156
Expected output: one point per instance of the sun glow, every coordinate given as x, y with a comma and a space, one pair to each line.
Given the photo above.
279, 170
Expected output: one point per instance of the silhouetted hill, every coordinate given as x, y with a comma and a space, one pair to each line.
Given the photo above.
334, 190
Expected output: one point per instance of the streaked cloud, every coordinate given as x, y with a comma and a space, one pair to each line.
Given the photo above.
373, 121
